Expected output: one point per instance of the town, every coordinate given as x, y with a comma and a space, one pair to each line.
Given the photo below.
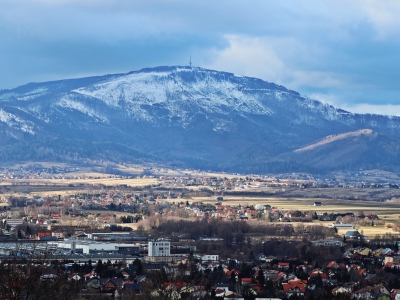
196, 236
190, 150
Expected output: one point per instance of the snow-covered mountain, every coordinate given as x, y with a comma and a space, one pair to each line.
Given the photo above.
184, 115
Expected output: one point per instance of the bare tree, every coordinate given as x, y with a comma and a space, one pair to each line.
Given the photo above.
27, 274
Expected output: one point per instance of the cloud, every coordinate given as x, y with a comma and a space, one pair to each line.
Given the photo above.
383, 16
348, 50
272, 59
387, 109
331, 99
339, 101
250, 57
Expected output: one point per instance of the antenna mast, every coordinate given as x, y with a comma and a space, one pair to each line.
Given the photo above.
190, 62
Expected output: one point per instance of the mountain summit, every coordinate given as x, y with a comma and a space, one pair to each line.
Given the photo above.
187, 116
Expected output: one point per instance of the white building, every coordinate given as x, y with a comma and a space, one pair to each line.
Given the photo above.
58, 234
159, 248
343, 226
208, 257
93, 247
13, 222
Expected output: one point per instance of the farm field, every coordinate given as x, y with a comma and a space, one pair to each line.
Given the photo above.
305, 204
288, 196
99, 181
389, 212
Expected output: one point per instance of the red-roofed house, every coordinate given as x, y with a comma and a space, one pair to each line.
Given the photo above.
294, 287
280, 276
283, 265
362, 272
395, 294
246, 280
339, 290
219, 293
332, 265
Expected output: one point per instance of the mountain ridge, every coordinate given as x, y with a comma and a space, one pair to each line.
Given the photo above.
188, 116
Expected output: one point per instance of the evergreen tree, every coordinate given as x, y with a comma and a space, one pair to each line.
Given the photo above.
260, 277
99, 267
137, 264
251, 256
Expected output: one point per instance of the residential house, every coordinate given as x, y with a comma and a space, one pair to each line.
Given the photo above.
283, 265
294, 288
110, 284
340, 290
381, 289
130, 285
93, 283
261, 256
364, 293
395, 294
59, 234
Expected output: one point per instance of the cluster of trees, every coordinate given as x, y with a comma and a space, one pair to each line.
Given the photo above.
238, 238
29, 279
130, 219
120, 228
203, 229
228, 231
68, 150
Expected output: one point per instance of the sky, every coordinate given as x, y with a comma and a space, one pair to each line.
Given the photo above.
345, 53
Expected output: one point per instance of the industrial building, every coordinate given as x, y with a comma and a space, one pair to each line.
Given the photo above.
94, 247
115, 236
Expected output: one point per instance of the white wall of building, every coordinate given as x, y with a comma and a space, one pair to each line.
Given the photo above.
89, 246
159, 248
210, 257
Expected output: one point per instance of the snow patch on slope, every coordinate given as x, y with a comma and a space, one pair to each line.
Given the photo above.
142, 86
327, 111
66, 102
33, 94
140, 91
16, 122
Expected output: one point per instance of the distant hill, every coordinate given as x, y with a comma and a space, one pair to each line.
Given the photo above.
190, 117
353, 150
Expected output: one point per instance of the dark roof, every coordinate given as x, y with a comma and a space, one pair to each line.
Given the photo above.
116, 281
353, 233
132, 286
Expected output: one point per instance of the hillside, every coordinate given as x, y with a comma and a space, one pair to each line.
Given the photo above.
361, 149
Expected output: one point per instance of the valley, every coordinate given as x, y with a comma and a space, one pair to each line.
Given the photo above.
369, 192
